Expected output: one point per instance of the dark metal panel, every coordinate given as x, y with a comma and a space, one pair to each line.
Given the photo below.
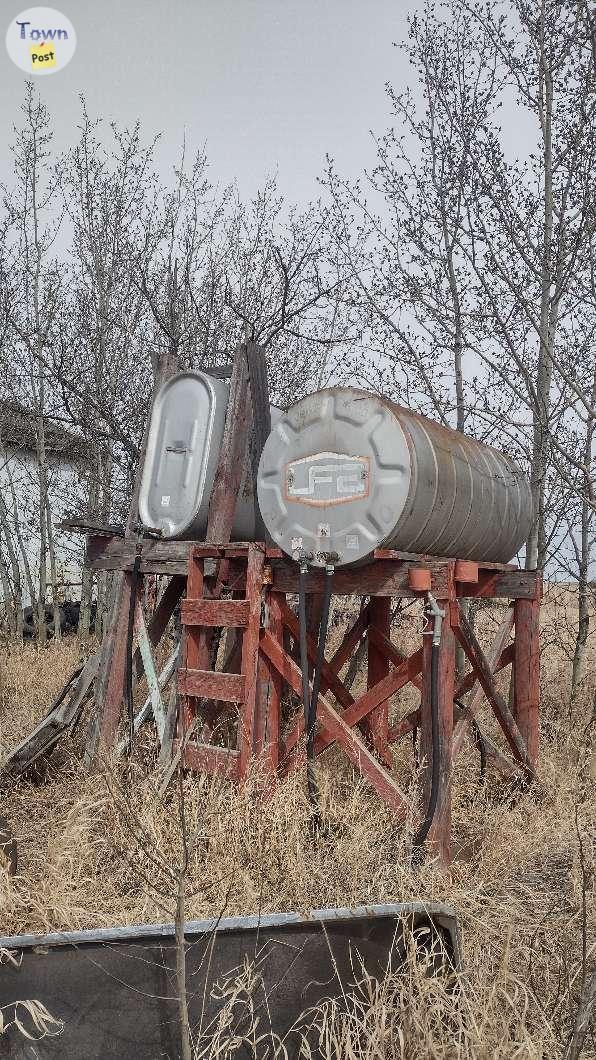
115, 990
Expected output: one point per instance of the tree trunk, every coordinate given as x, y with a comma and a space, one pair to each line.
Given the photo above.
53, 573
15, 570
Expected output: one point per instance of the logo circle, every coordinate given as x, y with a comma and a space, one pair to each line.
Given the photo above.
41, 41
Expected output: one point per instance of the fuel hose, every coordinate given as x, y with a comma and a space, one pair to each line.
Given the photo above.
437, 617
310, 700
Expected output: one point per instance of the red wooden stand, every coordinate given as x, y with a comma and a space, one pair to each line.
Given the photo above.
243, 588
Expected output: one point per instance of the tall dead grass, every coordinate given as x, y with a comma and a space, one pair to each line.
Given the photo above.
92, 851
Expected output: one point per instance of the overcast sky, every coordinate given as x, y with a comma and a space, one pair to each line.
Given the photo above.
266, 84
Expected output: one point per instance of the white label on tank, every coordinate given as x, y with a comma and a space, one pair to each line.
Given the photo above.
327, 478
323, 530
165, 502
351, 540
296, 543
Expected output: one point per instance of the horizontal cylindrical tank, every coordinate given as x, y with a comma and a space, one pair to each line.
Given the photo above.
345, 471
183, 446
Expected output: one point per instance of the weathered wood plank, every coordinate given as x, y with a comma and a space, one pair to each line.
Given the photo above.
382, 578
226, 613
153, 685
526, 674
383, 644
469, 643
207, 758
210, 684
337, 730
470, 681
63, 714
376, 724
404, 726
233, 453
250, 657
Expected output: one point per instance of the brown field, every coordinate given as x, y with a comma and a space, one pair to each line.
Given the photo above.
95, 850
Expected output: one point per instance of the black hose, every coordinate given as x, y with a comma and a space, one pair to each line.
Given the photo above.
303, 644
134, 581
316, 687
425, 825
311, 700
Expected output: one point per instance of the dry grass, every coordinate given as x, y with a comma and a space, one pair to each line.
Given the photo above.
523, 883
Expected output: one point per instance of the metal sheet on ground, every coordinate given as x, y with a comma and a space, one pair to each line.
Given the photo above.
115, 990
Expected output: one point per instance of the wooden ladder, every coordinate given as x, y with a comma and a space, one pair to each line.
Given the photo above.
202, 689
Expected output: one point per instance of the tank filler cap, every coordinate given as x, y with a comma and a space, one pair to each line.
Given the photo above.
334, 476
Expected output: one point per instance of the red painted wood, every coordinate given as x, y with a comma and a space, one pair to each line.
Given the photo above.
467, 683
351, 639
497, 658
526, 671
206, 758
275, 685
406, 725
210, 684
394, 654
362, 706
337, 730
330, 679
469, 643
376, 725
250, 656
215, 612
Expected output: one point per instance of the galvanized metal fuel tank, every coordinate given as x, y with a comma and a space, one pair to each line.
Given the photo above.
345, 471
183, 446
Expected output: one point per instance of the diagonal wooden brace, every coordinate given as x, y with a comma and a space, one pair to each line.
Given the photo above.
337, 730
362, 706
469, 643
495, 655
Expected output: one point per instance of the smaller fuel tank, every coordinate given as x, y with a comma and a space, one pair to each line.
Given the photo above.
183, 446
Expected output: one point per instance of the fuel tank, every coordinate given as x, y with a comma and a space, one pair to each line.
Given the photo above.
345, 471
183, 446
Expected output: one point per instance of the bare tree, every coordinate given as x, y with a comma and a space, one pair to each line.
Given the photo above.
32, 306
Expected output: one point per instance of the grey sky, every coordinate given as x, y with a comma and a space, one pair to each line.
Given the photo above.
267, 84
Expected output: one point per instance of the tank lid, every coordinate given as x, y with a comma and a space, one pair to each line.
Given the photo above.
334, 476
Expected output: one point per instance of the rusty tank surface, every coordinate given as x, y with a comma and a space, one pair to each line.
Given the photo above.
344, 472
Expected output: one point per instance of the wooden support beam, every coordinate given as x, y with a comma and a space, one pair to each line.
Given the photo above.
469, 643
383, 644
405, 725
526, 674
337, 730
376, 724
211, 684
207, 758
250, 657
153, 685
233, 454
109, 685
330, 681
362, 706
268, 697
471, 682
349, 643
225, 613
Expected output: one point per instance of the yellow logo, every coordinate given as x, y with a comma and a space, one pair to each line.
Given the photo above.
42, 55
